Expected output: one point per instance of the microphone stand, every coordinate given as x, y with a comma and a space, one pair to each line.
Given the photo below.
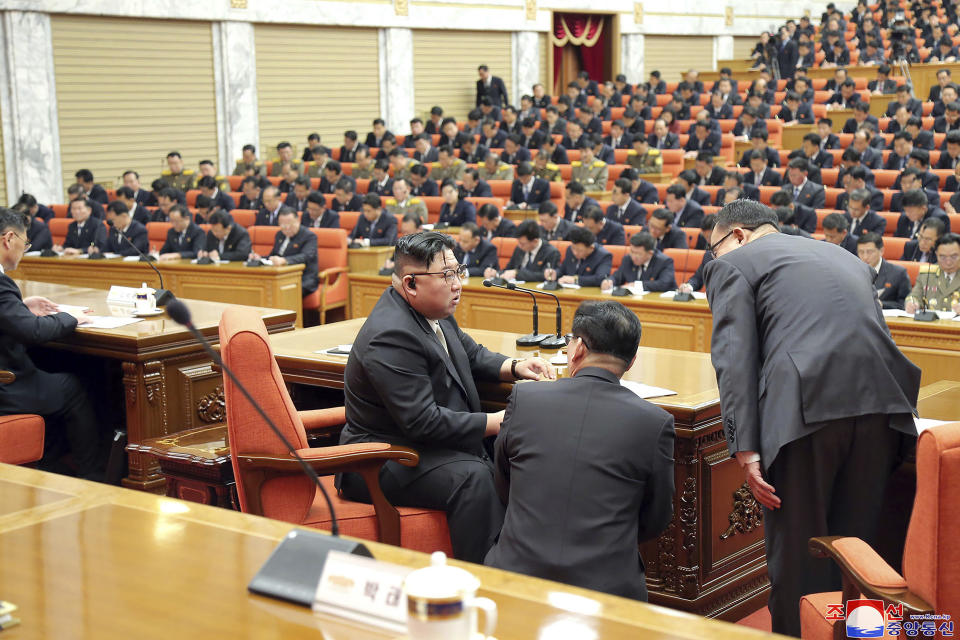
531, 339
923, 314
556, 341
164, 297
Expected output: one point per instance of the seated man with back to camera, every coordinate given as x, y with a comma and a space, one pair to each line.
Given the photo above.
410, 381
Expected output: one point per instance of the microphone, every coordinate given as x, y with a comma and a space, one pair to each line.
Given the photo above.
164, 297
292, 584
923, 314
531, 339
552, 342
551, 285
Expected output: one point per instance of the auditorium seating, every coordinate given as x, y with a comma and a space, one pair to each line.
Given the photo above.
271, 483
21, 435
332, 266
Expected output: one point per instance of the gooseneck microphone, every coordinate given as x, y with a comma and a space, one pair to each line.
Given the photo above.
923, 314
556, 341
531, 339
164, 297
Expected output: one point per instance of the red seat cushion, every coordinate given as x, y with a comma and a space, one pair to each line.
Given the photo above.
21, 438
813, 609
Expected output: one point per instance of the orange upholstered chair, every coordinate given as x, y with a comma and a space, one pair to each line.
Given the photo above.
21, 435
931, 557
269, 480
332, 263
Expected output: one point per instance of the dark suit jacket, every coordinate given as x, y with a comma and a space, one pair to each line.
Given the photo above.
93, 232
463, 212
634, 213
770, 178
896, 200
803, 114
192, 244
872, 222
805, 218
382, 232
559, 232
851, 125
913, 105
725, 112
696, 280
700, 196
659, 274
236, 246
136, 233
711, 143
539, 192
575, 215
671, 141
302, 249
905, 226
674, 238
894, 284
811, 195
482, 190
626, 141
646, 193
691, 215
505, 229
38, 235
613, 495
522, 154
98, 194
611, 233
428, 188
268, 218
350, 155
329, 219
372, 141
497, 92
496, 142
20, 329
298, 205
225, 201
593, 270
912, 253
546, 256
354, 204
477, 157
401, 387
714, 179
485, 255
876, 200
802, 370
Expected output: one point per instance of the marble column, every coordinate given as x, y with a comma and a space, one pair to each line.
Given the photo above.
526, 63
396, 78
631, 57
28, 100
235, 76
723, 48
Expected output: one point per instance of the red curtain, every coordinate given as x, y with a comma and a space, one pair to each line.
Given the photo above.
586, 33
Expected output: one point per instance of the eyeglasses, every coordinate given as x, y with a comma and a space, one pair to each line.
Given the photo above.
449, 275
716, 245
567, 339
26, 245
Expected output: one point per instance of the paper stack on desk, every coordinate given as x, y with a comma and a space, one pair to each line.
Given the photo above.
646, 391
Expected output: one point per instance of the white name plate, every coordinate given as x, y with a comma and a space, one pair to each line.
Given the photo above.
363, 590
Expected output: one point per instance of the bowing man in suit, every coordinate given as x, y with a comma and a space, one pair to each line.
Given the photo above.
492, 87
820, 394
38, 233
84, 233
760, 175
374, 228
185, 240
295, 244
58, 397
605, 230
528, 191
317, 213
475, 252
644, 264
410, 381
587, 263
455, 211
226, 239
531, 258
579, 541
135, 239
893, 283
665, 233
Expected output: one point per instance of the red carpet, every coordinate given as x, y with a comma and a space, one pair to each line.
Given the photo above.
759, 619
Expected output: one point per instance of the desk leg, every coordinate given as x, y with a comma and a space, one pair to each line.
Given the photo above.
145, 399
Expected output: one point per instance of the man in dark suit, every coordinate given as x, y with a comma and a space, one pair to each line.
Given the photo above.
914, 106
858, 213
645, 264
661, 138
131, 179
295, 244
787, 54
374, 228
454, 211
93, 190
892, 283
272, 203
513, 150
580, 542
802, 190
703, 139
57, 397
531, 258
861, 115
318, 215
473, 187
708, 174
606, 231
820, 394
221, 200
38, 233
344, 196
493, 136
85, 233
624, 210
555, 152
618, 138
493, 225
804, 217
795, 111
470, 151
528, 191
251, 189
475, 252
922, 248
686, 213
552, 225
836, 230
410, 381
587, 263
689, 179
492, 87
916, 210
226, 239
760, 175
134, 234
350, 146
375, 137
185, 240
665, 233
576, 201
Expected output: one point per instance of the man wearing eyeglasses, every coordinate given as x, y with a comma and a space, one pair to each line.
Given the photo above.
816, 398
940, 288
410, 381
58, 397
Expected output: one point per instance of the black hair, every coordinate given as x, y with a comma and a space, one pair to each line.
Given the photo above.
871, 238
122, 192
221, 218
419, 249
607, 327
528, 229
781, 199
579, 235
118, 207
372, 200
84, 175
914, 198
748, 214
345, 184
207, 182
10, 219
488, 211
594, 213
835, 222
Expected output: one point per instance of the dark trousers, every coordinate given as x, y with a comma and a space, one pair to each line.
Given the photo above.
830, 483
464, 489
62, 402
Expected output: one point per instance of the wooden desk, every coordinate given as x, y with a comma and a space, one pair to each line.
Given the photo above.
85, 560
793, 135
932, 346
839, 118
739, 146
233, 283
657, 178
710, 559
368, 259
940, 400
741, 68
924, 76
878, 104
599, 195
168, 383
520, 215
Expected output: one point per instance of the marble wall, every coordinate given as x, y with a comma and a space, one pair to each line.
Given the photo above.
632, 48
235, 73
396, 79
526, 63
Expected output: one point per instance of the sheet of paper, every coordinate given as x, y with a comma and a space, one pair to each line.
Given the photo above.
956, 318
697, 295
570, 285
946, 315
33, 254
71, 308
110, 255
645, 390
896, 313
131, 259
926, 423
108, 322
339, 350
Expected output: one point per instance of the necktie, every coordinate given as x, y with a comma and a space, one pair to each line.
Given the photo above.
283, 246
273, 218
438, 332
623, 212
641, 272
221, 247
796, 193
526, 190
466, 258
183, 236
527, 257
853, 228
916, 225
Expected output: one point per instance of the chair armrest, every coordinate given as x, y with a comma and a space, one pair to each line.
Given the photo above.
865, 572
323, 419
331, 271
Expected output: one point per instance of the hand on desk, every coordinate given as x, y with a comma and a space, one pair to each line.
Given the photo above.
40, 306
213, 255
761, 489
489, 272
509, 274
910, 306
606, 285
278, 261
685, 288
549, 274
69, 252
167, 257
81, 317
567, 280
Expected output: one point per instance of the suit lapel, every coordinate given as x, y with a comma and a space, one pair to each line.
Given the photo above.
460, 362
437, 348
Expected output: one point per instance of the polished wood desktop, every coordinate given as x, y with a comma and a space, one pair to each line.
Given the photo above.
793, 135
85, 560
368, 258
233, 283
168, 383
940, 400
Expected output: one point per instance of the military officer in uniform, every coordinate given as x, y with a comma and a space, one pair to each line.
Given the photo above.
402, 163
363, 167
544, 169
643, 158
401, 203
447, 166
317, 167
207, 169
176, 176
589, 171
493, 169
285, 155
939, 287
248, 165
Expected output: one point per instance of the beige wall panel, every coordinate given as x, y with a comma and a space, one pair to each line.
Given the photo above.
546, 52
743, 45
445, 67
673, 55
129, 91
315, 79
